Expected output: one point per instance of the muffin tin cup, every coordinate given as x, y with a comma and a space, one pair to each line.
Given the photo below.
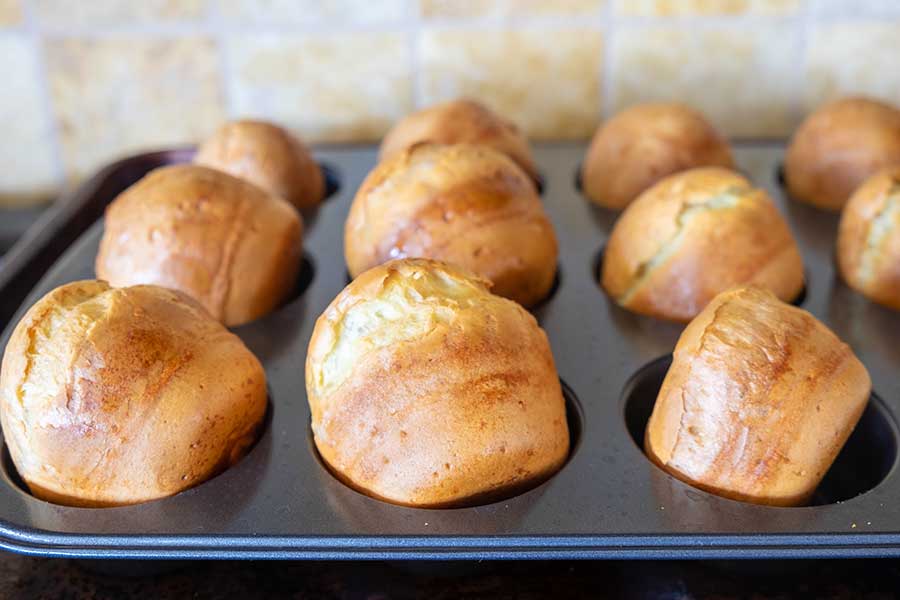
608, 501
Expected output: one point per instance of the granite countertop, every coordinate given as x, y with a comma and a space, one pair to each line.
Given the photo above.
24, 577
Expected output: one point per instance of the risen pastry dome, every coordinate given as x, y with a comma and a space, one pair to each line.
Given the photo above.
119, 396
645, 143
461, 121
225, 242
838, 147
268, 156
427, 390
463, 204
868, 246
693, 235
758, 402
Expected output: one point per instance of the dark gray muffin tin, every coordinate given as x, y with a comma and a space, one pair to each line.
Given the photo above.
609, 501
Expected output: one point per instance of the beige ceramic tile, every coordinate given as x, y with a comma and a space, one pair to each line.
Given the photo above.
29, 170
507, 8
856, 58
846, 8
738, 77
311, 11
116, 96
666, 8
339, 87
98, 13
10, 13
547, 81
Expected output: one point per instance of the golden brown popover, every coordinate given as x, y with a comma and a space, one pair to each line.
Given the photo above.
838, 147
427, 390
644, 143
758, 401
462, 121
868, 245
114, 396
693, 235
464, 204
225, 242
268, 156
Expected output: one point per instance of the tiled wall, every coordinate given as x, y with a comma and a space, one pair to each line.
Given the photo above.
87, 81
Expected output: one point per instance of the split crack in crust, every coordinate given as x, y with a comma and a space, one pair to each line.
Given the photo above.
376, 322
427, 390
44, 322
727, 199
41, 357
682, 427
880, 227
777, 359
39, 322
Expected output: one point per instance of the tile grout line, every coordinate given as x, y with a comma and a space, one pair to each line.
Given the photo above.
33, 34
226, 73
802, 75
414, 22
414, 25
607, 61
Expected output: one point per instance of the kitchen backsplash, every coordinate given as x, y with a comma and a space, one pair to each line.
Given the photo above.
86, 82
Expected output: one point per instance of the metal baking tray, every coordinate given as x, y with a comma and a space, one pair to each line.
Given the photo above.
608, 501
14, 221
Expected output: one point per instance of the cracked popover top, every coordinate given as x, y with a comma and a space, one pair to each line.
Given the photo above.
868, 245
695, 234
427, 390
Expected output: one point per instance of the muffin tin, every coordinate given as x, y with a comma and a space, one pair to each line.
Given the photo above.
13, 223
608, 501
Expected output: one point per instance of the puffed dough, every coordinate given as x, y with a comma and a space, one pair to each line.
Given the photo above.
114, 396
695, 234
461, 121
268, 156
225, 242
464, 204
838, 147
645, 143
868, 245
758, 402
427, 390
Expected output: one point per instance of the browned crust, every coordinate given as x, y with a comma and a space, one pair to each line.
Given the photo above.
645, 143
838, 147
666, 261
758, 402
471, 409
462, 121
463, 204
869, 256
118, 396
268, 156
223, 241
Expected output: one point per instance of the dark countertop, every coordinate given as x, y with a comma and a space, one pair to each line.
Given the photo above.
23, 577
